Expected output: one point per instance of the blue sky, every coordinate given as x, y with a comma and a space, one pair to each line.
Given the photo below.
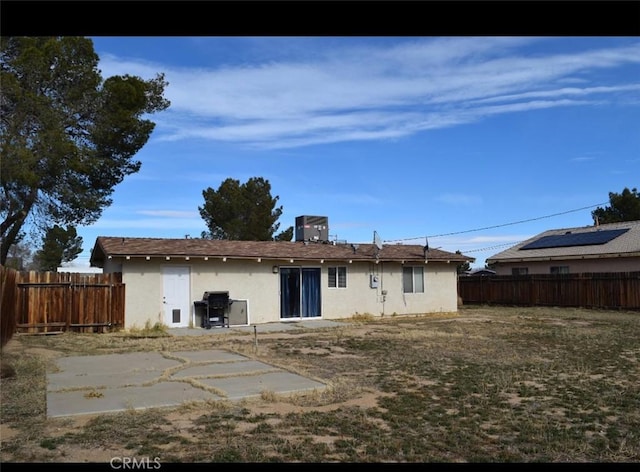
475, 143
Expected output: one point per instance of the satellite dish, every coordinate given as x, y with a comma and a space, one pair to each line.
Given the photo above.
376, 240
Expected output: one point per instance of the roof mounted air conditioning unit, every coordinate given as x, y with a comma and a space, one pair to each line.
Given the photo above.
312, 228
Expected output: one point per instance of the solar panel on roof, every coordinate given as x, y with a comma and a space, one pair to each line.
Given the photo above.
575, 239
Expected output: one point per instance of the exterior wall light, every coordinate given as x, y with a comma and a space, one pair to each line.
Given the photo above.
274, 269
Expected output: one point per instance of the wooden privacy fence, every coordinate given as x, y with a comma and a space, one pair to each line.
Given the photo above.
589, 290
48, 302
7, 302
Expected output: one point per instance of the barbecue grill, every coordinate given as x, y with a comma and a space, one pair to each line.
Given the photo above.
214, 308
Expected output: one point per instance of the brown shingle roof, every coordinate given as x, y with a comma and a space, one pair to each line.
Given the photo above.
277, 250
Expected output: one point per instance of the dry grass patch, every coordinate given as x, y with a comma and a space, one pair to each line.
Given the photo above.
488, 384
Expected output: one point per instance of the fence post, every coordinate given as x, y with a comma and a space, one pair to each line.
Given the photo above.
8, 292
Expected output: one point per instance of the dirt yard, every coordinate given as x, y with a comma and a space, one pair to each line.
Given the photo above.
491, 384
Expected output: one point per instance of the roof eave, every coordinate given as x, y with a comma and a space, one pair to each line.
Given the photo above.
563, 257
279, 258
98, 255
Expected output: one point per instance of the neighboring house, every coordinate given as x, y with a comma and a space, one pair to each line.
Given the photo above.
277, 280
613, 247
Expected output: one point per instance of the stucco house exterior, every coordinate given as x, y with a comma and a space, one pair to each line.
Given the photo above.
613, 247
271, 281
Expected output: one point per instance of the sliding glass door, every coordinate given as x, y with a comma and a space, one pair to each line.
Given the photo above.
300, 292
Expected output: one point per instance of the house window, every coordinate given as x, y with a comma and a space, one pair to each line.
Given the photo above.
519, 271
337, 277
560, 269
412, 279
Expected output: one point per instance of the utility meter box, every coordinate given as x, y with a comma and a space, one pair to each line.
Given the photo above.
374, 280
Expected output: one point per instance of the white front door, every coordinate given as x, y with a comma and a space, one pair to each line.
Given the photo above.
175, 299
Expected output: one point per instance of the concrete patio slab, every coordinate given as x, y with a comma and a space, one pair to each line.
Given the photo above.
117, 382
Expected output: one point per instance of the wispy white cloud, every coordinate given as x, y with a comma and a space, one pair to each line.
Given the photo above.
561, 92
385, 91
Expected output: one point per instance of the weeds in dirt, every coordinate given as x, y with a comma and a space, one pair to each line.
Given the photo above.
362, 317
490, 384
149, 330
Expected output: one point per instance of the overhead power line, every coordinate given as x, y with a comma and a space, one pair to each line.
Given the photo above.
497, 226
493, 247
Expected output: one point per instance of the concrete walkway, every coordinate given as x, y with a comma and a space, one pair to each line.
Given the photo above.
260, 328
117, 382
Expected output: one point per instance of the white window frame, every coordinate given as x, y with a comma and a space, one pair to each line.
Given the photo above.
417, 283
338, 281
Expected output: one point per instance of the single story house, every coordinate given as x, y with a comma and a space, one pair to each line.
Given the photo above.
269, 281
613, 247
